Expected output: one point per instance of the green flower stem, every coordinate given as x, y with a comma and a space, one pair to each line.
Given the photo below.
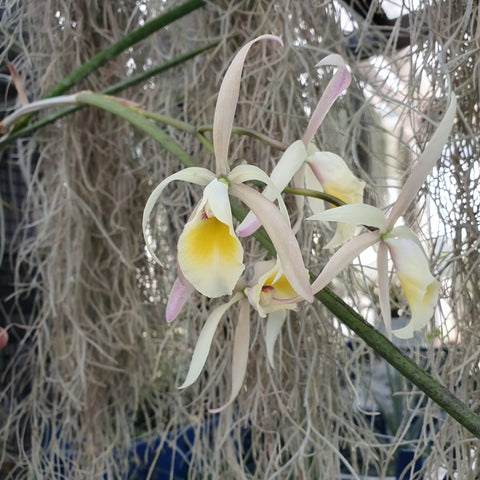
127, 41
249, 133
384, 347
131, 115
315, 194
115, 88
403, 364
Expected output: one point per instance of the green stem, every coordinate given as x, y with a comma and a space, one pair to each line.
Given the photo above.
403, 364
249, 133
127, 41
131, 115
315, 194
129, 82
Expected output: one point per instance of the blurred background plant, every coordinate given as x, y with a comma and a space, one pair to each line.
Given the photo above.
92, 367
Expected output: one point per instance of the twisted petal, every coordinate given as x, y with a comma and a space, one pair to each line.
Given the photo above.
339, 82
197, 175
275, 323
204, 341
289, 163
241, 344
210, 255
272, 291
356, 214
281, 235
424, 164
227, 104
413, 271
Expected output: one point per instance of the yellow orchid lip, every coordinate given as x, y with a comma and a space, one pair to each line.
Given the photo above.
272, 291
210, 255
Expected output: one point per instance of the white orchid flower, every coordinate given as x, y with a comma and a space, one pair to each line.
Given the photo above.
409, 260
210, 256
312, 168
271, 295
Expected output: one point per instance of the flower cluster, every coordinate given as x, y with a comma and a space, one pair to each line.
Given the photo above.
210, 256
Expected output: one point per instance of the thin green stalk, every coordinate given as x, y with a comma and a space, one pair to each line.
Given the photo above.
115, 88
315, 194
403, 364
249, 133
131, 115
385, 348
125, 42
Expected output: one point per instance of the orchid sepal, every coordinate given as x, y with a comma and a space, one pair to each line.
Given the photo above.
204, 342
227, 103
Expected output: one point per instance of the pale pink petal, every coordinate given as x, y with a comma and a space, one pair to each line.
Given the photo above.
356, 214
424, 165
227, 104
204, 341
281, 235
181, 291
274, 325
241, 344
196, 175
343, 257
289, 163
383, 288
340, 81
3, 338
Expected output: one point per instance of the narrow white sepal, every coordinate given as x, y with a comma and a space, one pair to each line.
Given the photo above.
424, 165
227, 104
241, 344
204, 341
343, 257
274, 325
355, 214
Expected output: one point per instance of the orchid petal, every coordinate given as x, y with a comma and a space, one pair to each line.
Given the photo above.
383, 288
241, 343
289, 163
413, 271
205, 339
180, 293
3, 337
227, 104
335, 177
281, 235
424, 165
245, 173
196, 175
343, 257
356, 214
274, 326
210, 255
340, 81
272, 291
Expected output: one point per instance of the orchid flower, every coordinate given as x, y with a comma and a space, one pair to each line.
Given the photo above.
210, 256
311, 168
409, 260
271, 295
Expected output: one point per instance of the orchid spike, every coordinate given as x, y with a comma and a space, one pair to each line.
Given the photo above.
409, 260
210, 256
322, 171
